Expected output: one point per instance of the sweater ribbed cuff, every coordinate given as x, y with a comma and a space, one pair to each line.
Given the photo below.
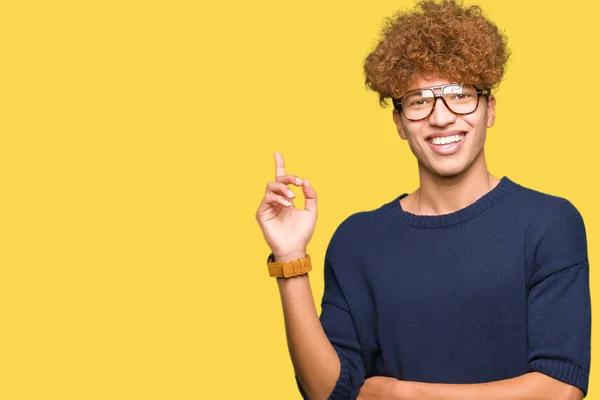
565, 372
343, 387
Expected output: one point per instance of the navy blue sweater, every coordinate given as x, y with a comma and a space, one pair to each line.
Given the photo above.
493, 291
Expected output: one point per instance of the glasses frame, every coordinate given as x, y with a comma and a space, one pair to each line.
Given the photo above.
480, 92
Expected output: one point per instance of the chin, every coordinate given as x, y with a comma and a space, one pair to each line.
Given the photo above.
448, 174
450, 168
447, 171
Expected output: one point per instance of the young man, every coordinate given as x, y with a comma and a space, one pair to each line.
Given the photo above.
470, 287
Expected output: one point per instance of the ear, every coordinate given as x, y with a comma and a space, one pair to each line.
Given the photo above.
491, 111
399, 125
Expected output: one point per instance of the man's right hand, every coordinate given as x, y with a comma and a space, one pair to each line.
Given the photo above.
287, 229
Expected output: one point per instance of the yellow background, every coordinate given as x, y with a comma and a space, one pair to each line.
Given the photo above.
136, 140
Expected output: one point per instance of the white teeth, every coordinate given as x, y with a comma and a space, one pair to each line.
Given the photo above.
447, 139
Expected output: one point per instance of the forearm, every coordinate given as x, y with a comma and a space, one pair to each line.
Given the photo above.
531, 386
315, 361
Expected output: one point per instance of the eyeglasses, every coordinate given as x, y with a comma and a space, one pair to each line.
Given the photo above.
461, 99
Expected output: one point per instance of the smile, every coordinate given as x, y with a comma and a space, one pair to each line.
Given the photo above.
447, 145
447, 140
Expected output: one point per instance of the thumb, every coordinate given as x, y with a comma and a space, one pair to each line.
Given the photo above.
310, 197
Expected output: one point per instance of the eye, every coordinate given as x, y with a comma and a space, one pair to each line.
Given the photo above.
462, 96
418, 102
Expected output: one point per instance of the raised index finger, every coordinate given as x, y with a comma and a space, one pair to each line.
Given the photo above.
279, 166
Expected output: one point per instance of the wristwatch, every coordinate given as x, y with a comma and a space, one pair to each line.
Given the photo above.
288, 269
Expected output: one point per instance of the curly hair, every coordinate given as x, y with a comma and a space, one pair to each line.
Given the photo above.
446, 40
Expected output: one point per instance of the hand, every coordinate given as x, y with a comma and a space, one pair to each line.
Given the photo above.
382, 387
286, 228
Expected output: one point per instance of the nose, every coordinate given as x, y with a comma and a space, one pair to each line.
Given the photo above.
441, 116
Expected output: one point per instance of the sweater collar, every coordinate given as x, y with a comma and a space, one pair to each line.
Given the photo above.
437, 221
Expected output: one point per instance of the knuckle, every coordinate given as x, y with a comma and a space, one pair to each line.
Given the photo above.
286, 178
271, 186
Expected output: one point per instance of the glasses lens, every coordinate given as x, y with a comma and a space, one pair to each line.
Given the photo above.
417, 104
461, 99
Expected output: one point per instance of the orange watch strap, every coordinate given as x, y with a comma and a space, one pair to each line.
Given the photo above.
289, 269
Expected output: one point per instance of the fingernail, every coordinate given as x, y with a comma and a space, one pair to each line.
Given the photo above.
287, 203
298, 181
291, 194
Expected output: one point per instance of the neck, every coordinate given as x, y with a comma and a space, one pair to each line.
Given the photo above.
438, 195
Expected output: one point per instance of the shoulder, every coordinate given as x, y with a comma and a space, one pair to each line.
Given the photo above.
351, 230
358, 229
547, 211
555, 232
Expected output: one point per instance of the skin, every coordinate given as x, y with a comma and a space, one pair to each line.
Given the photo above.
531, 386
448, 183
288, 230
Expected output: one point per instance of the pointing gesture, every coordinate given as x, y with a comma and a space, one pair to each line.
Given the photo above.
287, 229
279, 165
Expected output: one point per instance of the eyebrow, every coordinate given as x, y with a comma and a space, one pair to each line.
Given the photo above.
417, 93
439, 86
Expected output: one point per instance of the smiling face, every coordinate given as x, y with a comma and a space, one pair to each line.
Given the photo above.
446, 144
